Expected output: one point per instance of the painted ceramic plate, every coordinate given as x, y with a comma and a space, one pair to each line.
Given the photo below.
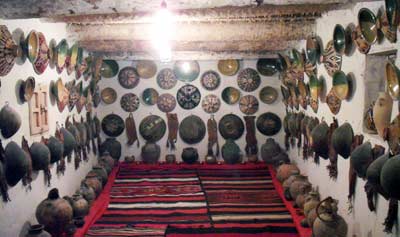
108, 95
166, 79
61, 52
128, 77
248, 80
73, 58
268, 95
228, 67
113, 125
332, 60
152, 128
186, 71
166, 102
231, 127
109, 68
129, 102
192, 129
248, 104
42, 60
211, 104
146, 69
188, 96
7, 51
210, 80
269, 124
230, 95
392, 12
150, 96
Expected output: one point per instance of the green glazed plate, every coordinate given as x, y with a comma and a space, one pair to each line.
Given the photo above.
230, 95
150, 96
268, 95
339, 39
61, 52
267, 66
109, 68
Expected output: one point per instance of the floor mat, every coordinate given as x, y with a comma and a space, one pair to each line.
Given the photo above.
194, 200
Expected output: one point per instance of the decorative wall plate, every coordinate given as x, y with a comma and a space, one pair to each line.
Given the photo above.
166, 102
284, 62
109, 68
333, 101
166, 79
108, 95
230, 95
129, 102
192, 129
8, 51
150, 96
211, 104
228, 67
113, 125
248, 104
146, 69
314, 105
42, 60
52, 53
303, 94
188, 96
26, 89
269, 124
314, 49
248, 80
362, 45
128, 77
75, 92
340, 85
286, 95
367, 23
61, 52
309, 68
152, 128
61, 94
210, 80
73, 58
332, 60
186, 71
231, 127
268, 95
31, 46
339, 39
267, 66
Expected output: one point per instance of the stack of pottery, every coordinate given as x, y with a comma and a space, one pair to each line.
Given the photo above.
284, 171
272, 153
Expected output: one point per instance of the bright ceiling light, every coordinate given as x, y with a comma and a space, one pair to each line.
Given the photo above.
162, 31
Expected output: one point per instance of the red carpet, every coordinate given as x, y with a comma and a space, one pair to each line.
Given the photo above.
190, 200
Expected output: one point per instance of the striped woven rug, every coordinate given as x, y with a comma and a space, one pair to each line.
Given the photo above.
197, 200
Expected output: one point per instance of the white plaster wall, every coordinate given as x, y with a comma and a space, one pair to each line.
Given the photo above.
23, 203
361, 222
145, 110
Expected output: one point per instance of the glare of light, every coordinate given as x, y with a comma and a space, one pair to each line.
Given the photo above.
186, 67
162, 31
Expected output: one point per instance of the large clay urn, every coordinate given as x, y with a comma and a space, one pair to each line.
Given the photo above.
285, 171
54, 213
190, 155
150, 153
106, 161
328, 222
382, 112
231, 152
101, 172
94, 181
269, 150
113, 147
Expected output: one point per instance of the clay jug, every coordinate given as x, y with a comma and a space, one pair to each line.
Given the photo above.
269, 150
311, 216
113, 147
328, 222
300, 186
390, 177
382, 112
54, 213
37, 231
94, 181
79, 205
101, 172
285, 171
190, 155
150, 153
87, 193
170, 159
231, 152
107, 162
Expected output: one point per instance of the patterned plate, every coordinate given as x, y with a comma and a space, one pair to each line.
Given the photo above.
42, 60
166, 102
211, 104
146, 69
248, 80
150, 96
112, 125
152, 128
248, 104
166, 79
230, 95
210, 80
128, 77
129, 102
188, 96
7, 51
332, 60
108, 95
61, 52
186, 71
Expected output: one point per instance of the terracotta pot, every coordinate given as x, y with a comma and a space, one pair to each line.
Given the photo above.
87, 193
37, 231
382, 112
311, 202
79, 205
107, 162
101, 172
93, 181
285, 171
300, 186
286, 184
